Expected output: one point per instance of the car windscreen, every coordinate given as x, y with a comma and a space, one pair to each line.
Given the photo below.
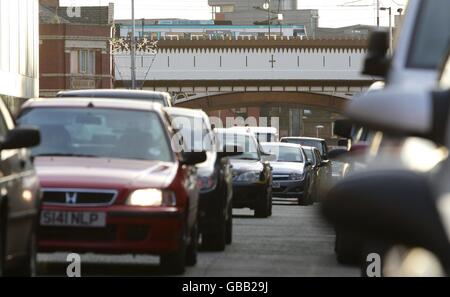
97, 132
284, 153
308, 142
245, 142
265, 137
431, 35
196, 135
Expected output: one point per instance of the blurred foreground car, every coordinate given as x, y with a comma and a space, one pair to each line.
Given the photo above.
215, 177
292, 172
252, 175
111, 181
412, 207
20, 198
158, 97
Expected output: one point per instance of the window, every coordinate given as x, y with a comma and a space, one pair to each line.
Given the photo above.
433, 28
82, 61
227, 8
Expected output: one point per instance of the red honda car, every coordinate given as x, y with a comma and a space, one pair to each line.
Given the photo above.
111, 181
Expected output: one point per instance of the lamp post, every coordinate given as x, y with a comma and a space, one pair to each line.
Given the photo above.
390, 28
280, 19
317, 130
133, 48
266, 6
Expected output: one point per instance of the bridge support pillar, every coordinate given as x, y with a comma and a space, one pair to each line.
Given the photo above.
296, 121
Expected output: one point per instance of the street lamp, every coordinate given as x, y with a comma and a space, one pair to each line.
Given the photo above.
266, 6
390, 28
133, 48
317, 130
280, 19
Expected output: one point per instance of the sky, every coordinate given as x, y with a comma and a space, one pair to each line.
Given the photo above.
331, 12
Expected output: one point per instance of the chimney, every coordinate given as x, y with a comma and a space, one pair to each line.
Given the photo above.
49, 3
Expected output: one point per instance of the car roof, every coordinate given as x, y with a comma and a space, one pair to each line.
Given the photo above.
234, 131
115, 93
263, 129
303, 138
96, 102
180, 111
281, 144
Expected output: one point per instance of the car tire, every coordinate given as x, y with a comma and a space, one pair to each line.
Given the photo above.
216, 241
175, 263
191, 251
345, 255
262, 208
2, 240
229, 231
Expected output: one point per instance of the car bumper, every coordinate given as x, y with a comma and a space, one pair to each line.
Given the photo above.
248, 195
128, 230
288, 189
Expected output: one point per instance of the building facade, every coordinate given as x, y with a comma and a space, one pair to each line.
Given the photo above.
253, 12
75, 47
19, 51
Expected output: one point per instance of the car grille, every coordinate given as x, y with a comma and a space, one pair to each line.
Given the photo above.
281, 177
78, 197
78, 234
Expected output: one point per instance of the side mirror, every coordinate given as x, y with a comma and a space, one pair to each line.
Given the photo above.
230, 151
402, 211
308, 163
343, 142
377, 63
193, 158
400, 111
337, 153
343, 128
21, 138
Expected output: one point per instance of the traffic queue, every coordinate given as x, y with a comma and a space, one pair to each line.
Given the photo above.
124, 172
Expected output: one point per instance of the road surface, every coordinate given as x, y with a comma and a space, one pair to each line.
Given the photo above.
295, 241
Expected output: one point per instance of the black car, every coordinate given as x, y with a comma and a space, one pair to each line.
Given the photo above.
20, 199
214, 175
252, 176
160, 97
319, 172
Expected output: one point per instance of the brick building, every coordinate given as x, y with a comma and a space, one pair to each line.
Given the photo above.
75, 47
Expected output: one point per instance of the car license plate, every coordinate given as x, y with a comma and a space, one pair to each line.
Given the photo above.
73, 219
276, 185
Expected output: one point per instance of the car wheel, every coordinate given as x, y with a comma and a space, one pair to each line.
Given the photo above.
2, 239
229, 231
262, 209
216, 241
191, 252
270, 202
175, 262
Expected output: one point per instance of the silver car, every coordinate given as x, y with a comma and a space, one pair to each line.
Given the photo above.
292, 175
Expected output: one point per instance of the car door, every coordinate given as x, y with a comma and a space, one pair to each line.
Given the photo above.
19, 191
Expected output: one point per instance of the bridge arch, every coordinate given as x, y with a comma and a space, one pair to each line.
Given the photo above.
212, 102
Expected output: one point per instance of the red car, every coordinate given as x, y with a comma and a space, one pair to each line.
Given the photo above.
111, 181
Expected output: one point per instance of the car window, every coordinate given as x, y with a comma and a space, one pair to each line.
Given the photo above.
318, 157
432, 28
109, 133
196, 134
248, 144
307, 142
285, 153
310, 156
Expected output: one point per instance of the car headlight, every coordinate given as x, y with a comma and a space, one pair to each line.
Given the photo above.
206, 182
151, 197
251, 177
297, 176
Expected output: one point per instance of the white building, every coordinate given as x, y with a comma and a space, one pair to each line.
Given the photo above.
19, 51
